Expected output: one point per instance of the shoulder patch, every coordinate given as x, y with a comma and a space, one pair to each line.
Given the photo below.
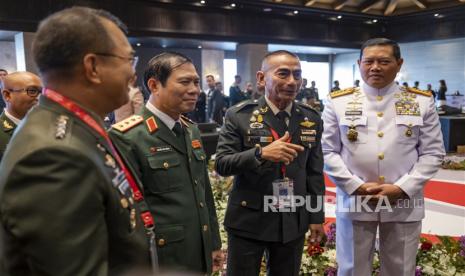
151, 124
420, 92
245, 103
128, 123
342, 92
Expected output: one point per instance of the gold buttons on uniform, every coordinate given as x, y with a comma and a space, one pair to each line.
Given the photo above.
381, 156
243, 203
380, 134
161, 242
380, 114
205, 228
381, 179
201, 204
166, 165
379, 98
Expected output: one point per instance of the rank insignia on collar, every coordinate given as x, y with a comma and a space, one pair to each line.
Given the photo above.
196, 144
307, 124
256, 125
7, 125
151, 124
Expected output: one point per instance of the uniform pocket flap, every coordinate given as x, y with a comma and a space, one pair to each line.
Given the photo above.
163, 161
246, 199
356, 121
169, 233
409, 120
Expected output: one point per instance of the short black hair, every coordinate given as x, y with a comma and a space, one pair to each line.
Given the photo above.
161, 66
382, 42
4, 70
65, 37
210, 76
278, 53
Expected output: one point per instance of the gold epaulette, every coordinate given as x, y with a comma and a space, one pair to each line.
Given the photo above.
418, 91
342, 92
186, 121
128, 123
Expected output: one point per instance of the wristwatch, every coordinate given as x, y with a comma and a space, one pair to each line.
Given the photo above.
258, 152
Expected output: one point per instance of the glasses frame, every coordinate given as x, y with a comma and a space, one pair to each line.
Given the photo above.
133, 60
27, 90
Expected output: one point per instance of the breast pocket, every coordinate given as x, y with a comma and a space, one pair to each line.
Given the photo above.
165, 173
356, 126
408, 128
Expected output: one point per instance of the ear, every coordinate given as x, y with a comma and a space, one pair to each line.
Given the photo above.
92, 68
358, 62
400, 61
6, 95
261, 78
154, 86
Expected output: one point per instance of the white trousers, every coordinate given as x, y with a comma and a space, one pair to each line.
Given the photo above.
355, 245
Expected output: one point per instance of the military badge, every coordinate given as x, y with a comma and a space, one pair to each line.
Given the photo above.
101, 148
352, 134
308, 132
7, 125
124, 203
256, 125
307, 124
260, 118
132, 218
264, 109
266, 139
61, 126
253, 119
163, 148
409, 131
110, 161
256, 112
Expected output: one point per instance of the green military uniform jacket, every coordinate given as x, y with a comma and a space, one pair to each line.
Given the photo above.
7, 127
176, 187
60, 213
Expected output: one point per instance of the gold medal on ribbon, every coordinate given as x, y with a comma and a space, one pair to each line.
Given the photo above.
132, 218
352, 134
260, 118
409, 132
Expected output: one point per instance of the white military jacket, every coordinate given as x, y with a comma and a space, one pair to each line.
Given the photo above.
388, 135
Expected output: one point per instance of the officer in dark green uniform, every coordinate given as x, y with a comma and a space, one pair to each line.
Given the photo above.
272, 147
68, 205
165, 149
20, 91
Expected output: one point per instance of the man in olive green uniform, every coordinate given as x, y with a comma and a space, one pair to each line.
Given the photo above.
65, 203
20, 91
165, 150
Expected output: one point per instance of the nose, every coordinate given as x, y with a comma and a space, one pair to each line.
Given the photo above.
375, 66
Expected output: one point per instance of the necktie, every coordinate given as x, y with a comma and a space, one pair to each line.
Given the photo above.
282, 115
177, 129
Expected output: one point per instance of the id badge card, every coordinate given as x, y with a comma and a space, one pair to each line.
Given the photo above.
283, 191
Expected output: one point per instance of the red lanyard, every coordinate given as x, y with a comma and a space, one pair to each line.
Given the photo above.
276, 137
88, 120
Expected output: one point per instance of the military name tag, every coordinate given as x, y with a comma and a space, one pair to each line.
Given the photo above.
163, 148
353, 113
307, 138
266, 139
308, 132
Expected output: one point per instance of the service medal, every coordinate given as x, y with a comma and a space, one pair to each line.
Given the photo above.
352, 134
256, 125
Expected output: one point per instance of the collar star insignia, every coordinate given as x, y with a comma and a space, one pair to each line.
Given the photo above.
7, 125
264, 109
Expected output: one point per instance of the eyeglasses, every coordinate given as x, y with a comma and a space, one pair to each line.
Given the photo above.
133, 60
30, 91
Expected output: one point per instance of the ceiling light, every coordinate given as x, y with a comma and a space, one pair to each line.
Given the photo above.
138, 44
374, 20
202, 2
436, 14
267, 9
233, 5
163, 46
200, 46
339, 16
296, 12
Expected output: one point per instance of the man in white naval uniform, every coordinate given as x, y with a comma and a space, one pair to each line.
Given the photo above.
384, 141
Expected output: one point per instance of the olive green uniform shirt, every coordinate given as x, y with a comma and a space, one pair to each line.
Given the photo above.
176, 187
7, 127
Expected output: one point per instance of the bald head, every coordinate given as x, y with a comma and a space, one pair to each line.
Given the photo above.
20, 91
